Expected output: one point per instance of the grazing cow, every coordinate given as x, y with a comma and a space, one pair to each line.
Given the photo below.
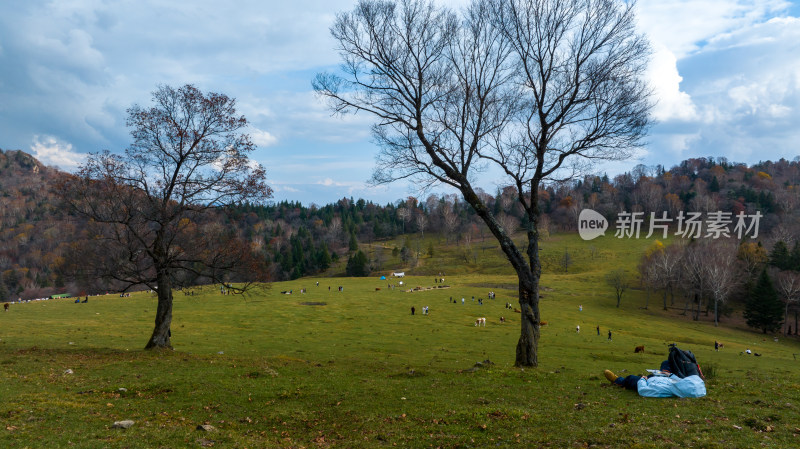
638, 349
377, 289
480, 322
517, 310
542, 323
757, 354
5, 307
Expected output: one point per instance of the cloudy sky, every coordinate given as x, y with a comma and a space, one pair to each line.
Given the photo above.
726, 74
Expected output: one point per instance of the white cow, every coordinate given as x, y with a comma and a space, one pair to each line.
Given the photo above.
399, 274
480, 322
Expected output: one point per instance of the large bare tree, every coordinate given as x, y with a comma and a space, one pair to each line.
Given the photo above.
149, 207
529, 90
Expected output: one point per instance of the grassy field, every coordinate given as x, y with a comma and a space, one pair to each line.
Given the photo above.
356, 369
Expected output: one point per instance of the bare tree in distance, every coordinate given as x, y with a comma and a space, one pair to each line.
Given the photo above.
450, 220
722, 272
618, 280
149, 206
404, 214
788, 286
421, 221
537, 89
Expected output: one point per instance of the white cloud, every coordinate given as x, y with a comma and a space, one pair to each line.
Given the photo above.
263, 138
684, 26
328, 182
50, 151
673, 104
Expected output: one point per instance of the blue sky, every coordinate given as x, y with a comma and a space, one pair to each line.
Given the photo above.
726, 74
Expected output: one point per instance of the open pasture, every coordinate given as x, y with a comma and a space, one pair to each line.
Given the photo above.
356, 369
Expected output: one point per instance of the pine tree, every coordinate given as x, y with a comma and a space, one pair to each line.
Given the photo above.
353, 242
714, 185
3, 290
764, 309
779, 256
358, 265
794, 257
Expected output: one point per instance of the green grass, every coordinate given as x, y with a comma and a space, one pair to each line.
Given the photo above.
360, 371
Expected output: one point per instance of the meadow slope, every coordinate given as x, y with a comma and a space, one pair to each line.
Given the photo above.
355, 369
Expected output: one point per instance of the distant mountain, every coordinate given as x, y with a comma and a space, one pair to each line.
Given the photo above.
36, 235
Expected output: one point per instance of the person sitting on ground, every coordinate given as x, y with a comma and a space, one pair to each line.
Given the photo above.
684, 381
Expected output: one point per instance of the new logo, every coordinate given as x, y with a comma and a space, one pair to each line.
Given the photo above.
591, 224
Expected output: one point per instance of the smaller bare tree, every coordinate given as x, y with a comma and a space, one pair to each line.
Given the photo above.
722, 273
618, 280
788, 287
421, 221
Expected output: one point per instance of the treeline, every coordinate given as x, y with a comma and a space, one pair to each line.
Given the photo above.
712, 275
296, 240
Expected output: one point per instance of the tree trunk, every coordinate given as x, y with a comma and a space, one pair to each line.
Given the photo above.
528, 344
716, 313
161, 332
665, 299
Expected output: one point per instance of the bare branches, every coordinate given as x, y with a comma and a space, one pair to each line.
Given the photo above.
537, 89
148, 209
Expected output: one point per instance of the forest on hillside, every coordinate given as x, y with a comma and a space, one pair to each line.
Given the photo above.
40, 239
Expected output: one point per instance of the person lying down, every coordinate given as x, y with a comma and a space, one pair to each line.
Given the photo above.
679, 376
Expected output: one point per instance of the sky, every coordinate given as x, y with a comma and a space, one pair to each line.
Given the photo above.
726, 76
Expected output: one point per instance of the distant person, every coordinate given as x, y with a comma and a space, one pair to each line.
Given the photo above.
578, 329
716, 345
413, 310
580, 308
609, 335
598, 330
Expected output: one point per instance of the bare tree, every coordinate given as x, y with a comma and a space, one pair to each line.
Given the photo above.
404, 214
693, 276
788, 287
450, 220
566, 260
722, 273
149, 207
537, 88
421, 221
618, 280
667, 265
509, 223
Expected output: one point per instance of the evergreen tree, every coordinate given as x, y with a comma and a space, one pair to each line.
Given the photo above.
764, 310
794, 257
779, 256
353, 241
714, 185
358, 265
3, 290
323, 257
